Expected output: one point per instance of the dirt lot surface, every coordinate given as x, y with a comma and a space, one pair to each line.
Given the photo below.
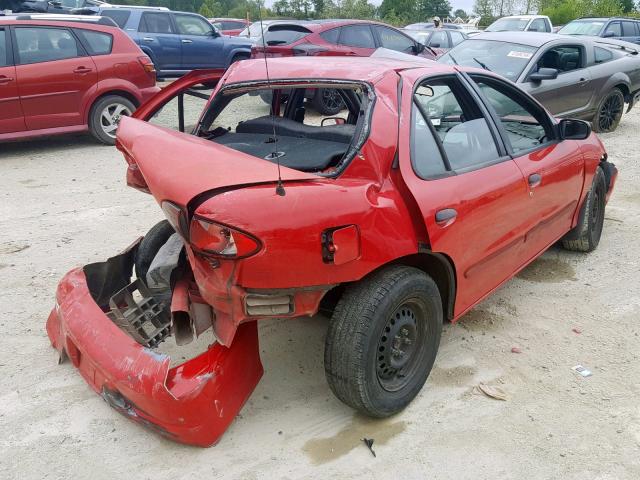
64, 203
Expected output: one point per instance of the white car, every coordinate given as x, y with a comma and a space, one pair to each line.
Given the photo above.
521, 23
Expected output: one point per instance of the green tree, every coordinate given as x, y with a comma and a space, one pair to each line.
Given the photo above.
460, 13
484, 9
399, 11
428, 9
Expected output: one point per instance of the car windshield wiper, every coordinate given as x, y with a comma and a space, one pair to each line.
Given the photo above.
454, 60
481, 64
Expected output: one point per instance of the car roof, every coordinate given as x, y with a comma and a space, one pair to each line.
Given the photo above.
523, 16
532, 39
329, 23
354, 69
58, 19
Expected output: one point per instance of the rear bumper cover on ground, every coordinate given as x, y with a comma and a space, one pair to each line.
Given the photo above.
192, 403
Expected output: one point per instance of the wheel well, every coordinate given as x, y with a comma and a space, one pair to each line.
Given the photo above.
121, 93
625, 91
241, 55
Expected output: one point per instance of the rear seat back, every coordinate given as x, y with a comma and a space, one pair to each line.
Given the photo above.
290, 128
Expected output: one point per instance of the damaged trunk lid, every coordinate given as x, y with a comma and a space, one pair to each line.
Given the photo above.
178, 166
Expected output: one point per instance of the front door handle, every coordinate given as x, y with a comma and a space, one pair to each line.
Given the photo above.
535, 179
4, 80
446, 217
147, 39
82, 70
186, 40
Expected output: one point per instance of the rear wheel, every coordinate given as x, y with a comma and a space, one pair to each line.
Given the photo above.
383, 339
105, 117
586, 235
149, 247
609, 112
328, 101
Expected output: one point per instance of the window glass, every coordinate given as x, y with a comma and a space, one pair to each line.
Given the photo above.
456, 38
425, 155
393, 40
614, 27
602, 55
564, 59
463, 132
229, 25
439, 40
38, 44
4, 60
285, 34
118, 16
523, 123
629, 29
192, 25
357, 36
155, 23
582, 27
537, 25
98, 43
508, 25
331, 36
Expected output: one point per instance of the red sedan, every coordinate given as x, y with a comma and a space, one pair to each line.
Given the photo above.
436, 187
62, 74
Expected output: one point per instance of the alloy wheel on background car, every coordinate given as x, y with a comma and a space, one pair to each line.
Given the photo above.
110, 117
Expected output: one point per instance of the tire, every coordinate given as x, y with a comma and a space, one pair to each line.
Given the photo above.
148, 248
609, 112
359, 365
105, 116
327, 101
586, 235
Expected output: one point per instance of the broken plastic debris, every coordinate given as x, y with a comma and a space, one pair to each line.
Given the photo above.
576, 330
369, 443
515, 350
582, 371
492, 392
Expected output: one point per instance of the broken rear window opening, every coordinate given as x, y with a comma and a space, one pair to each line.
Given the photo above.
245, 117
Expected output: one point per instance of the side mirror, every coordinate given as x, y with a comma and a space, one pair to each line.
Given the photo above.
418, 48
544, 74
214, 33
571, 129
608, 34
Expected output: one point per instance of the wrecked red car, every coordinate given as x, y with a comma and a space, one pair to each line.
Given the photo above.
432, 188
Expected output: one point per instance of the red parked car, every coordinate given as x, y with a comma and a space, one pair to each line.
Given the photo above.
351, 38
62, 74
440, 184
230, 26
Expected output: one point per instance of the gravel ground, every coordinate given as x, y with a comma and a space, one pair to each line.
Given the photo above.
64, 203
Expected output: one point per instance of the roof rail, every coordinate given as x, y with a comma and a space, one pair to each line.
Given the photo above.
135, 7
69, 18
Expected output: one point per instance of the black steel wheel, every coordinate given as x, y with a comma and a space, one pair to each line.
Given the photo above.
609, 112
328, 101
383, 339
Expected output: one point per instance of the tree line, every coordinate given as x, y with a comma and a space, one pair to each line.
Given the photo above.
398, 12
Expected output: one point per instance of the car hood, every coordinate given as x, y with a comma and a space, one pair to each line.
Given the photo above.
178, 167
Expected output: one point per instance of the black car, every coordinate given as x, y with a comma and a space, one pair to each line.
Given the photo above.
627, 29
48, 6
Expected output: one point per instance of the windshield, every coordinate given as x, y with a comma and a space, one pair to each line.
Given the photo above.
508, 25
503, 58
582, 27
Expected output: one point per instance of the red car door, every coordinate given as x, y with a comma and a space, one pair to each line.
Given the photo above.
11, 116
55, 76
471, 194
554, 170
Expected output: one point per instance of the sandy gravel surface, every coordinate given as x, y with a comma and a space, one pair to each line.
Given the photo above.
63, 203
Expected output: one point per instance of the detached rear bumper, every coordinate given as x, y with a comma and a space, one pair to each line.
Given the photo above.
192, 403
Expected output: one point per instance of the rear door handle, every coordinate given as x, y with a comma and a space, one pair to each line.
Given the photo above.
446, 217
82, 70
147, 39
535, 179
4, 80
186, 40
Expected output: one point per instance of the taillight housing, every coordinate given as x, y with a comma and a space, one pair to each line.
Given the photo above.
147, 65
218, 240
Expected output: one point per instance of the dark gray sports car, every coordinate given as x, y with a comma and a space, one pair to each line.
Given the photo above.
573, 77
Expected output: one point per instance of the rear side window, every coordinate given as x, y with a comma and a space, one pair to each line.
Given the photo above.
39, 44
118, 16
155, 23
98, 43
358, 36
192, 25
393, 40
614, 27
629, 29
456, 38
4, 54
285, 34
331, 36
227, 25
602, 55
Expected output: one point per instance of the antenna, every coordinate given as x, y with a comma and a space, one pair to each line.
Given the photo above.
275, 154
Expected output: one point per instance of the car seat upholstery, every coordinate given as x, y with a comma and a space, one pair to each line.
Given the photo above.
550, 59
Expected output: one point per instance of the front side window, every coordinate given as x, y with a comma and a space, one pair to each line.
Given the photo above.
4, 54
439, 40
563, 58
39, 44
152, 22
358, 36
614, 28
393, 40
457, 124
98, 43
118, 16
525, 124
192, 25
